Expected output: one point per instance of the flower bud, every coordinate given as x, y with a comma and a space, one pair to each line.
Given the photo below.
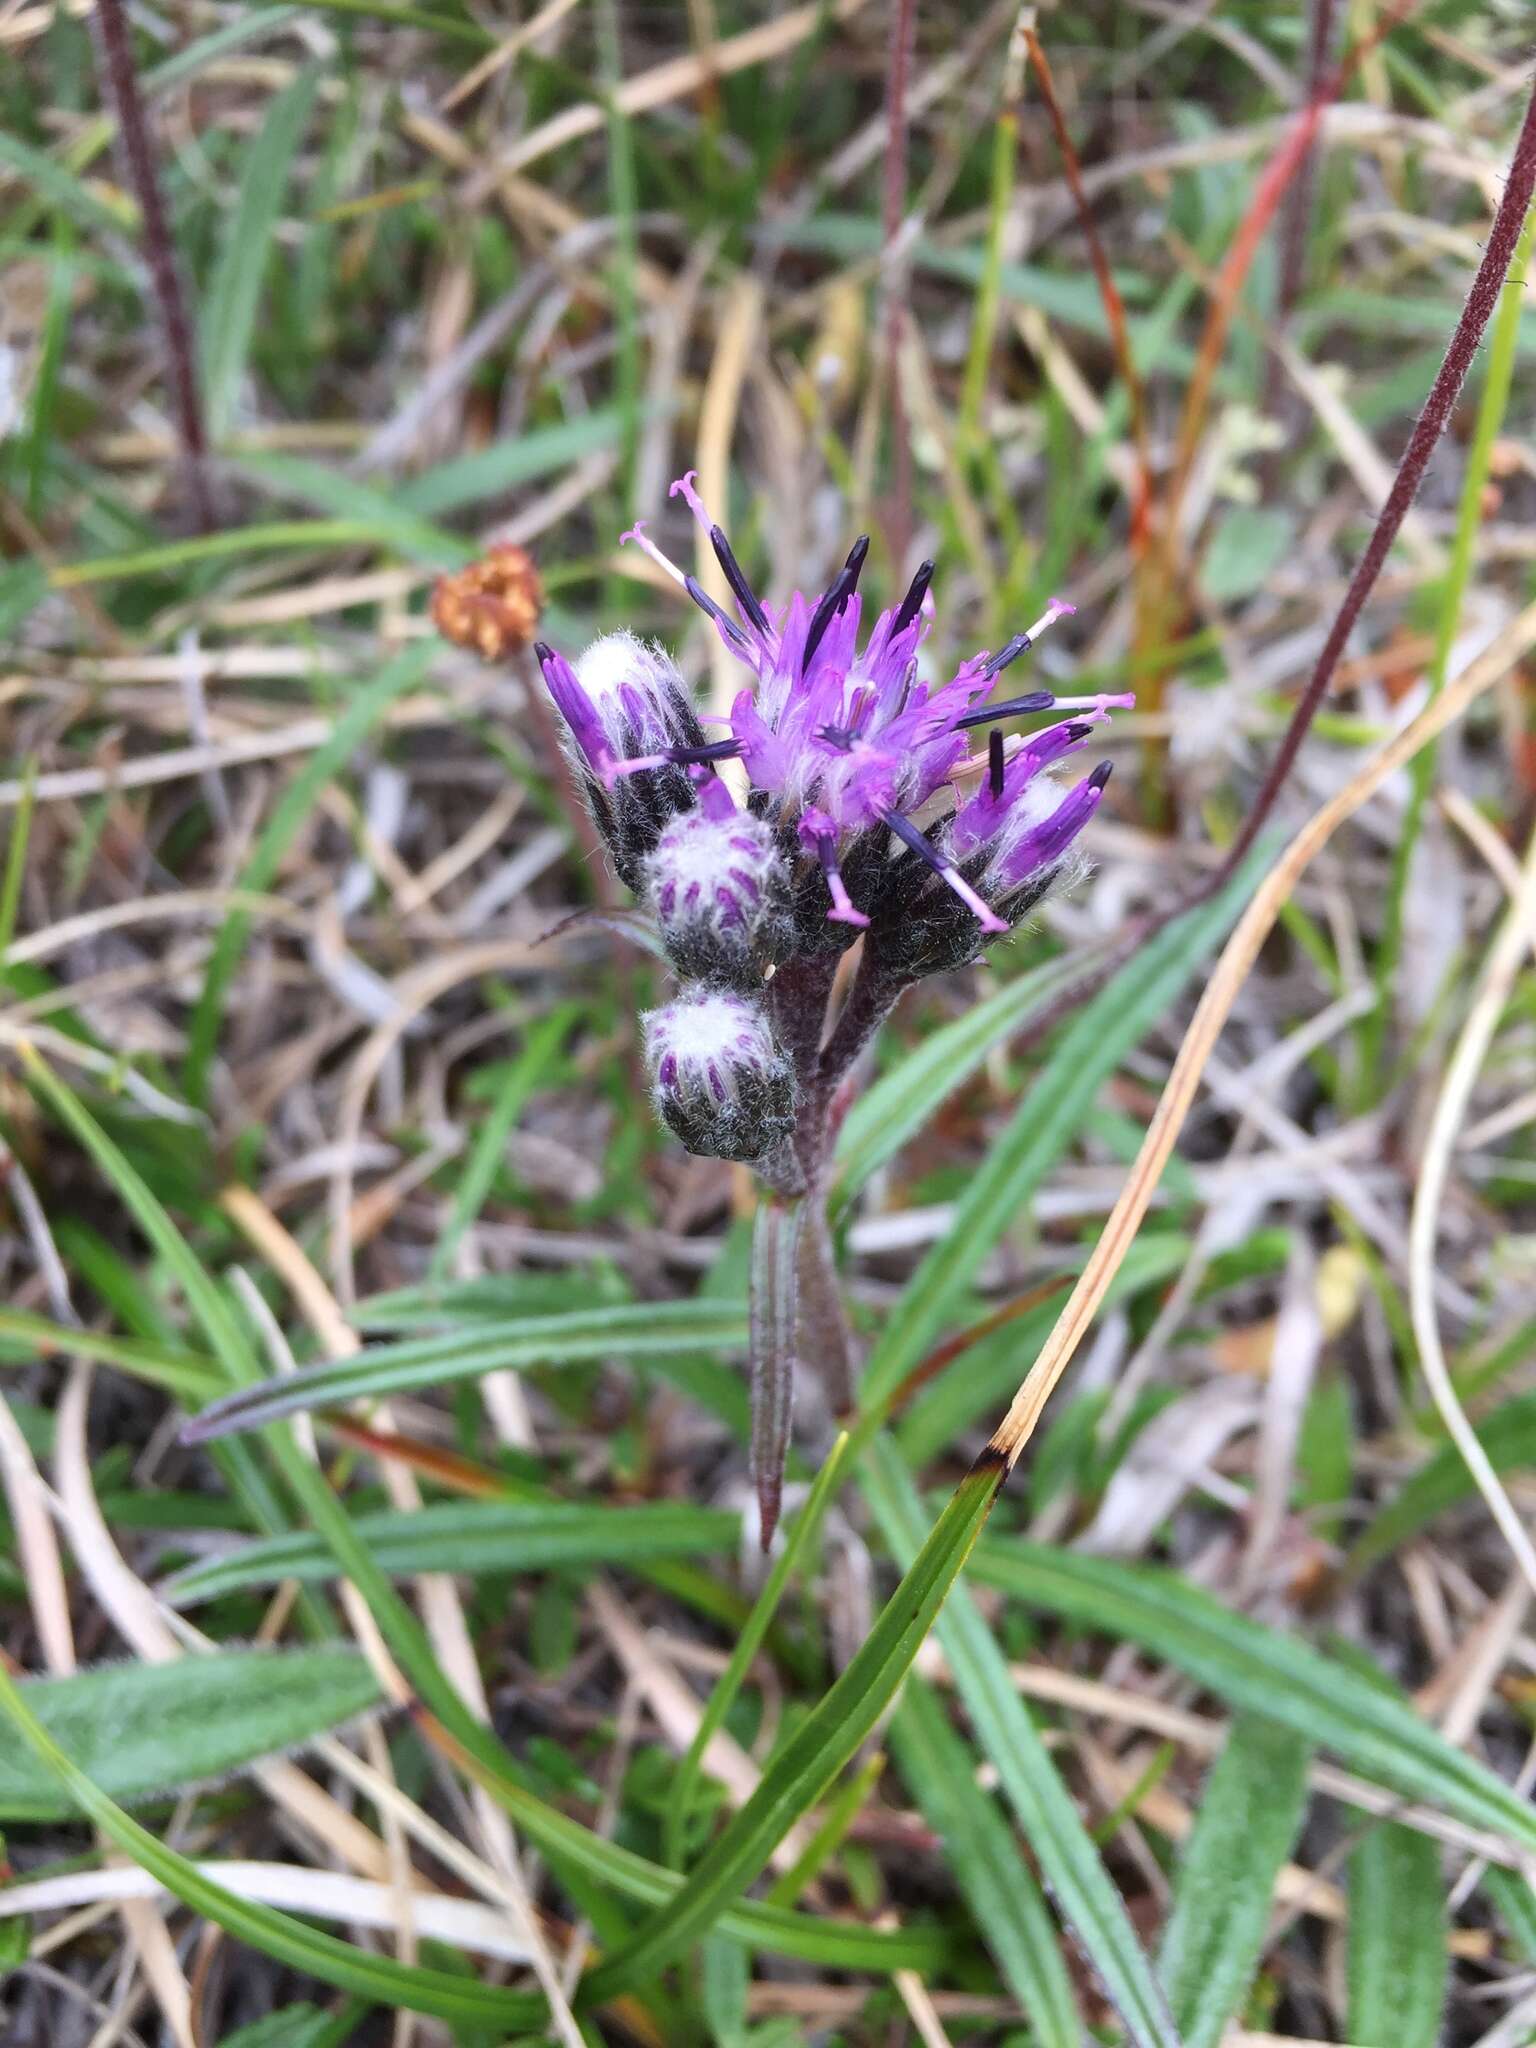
718, 890
1013, 844
721, 1083
627, 712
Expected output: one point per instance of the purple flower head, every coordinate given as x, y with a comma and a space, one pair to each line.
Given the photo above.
721, 1082
842, 742
717, 887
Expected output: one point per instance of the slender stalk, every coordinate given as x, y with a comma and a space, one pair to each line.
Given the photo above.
1430, 425
1296, 211
120, 87
773, 1327
1469, 519
899, 521
826, 1342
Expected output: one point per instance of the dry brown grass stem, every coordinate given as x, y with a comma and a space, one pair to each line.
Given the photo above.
1221, 991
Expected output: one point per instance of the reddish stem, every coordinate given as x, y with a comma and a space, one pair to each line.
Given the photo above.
899, 519
120, 86
1430, 425
1109, 292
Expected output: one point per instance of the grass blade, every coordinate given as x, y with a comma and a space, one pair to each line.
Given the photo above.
896, 1107
748, 1642
650, 1330
806, 1765
1261, 1671
1044, 1125
234, 290
143, 1730
1069, 1862
998, 1885
287, 1940
1252, 1807
472, 1536
1508, 1435
1396, 1957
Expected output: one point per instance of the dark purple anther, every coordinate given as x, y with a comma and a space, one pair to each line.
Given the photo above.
751, 610
912, 603
841, 588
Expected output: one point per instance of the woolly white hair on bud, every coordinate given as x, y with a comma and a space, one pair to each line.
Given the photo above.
616, 659
721, 1082
718, 889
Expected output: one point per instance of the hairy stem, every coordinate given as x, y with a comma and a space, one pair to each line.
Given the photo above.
773, 1319
120, 87
1428, 428
899, 522
826, 1342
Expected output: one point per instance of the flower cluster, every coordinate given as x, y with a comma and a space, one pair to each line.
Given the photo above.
844, 747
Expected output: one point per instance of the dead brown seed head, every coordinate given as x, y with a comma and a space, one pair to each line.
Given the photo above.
493, 606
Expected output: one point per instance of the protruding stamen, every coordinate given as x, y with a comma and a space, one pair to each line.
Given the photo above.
838, 592
912, 603
727, 625
995, 764
751, 610
819, 834
683, 489
1099, 706
1101, 774
1011, 707
911, 836
643, 541
673, 757
1058, 608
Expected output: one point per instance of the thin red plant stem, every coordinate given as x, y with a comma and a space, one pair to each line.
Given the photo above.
1492, 271
120, 82
899, 519
1109, 292
1275, 181
1297, 211
1430, 425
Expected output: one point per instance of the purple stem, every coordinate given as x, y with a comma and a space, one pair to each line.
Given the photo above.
1481, 300
1297, 210
903, 26
1428, 428
120, 86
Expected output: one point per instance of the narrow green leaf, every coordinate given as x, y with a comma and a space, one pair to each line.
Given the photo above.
656, 1331
984, 1377
58, 187
1001, 1890
336, 495
472, 1536
1070, 1864
895, 1108
489, 472
806, 1765
141, 1730
1396, 1953
211, 547
1261, 1671
1508, 1435
234, 290
750, 1640
183, 1374
377, 1978
1045, 1124
1247, 1820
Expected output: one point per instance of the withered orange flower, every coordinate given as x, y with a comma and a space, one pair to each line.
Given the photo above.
493, 606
